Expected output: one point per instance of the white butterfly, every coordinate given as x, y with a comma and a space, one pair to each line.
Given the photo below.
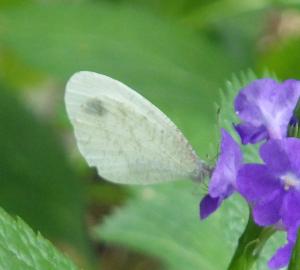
126, 137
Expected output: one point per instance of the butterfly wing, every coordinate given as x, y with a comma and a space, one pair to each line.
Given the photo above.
125, 136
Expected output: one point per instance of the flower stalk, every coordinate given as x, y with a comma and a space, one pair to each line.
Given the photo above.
295, 259
250, 245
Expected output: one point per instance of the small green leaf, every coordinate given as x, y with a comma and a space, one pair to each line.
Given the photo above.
22, 249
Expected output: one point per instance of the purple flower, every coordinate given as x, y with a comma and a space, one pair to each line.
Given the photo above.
223, 179
273, 188
265, 108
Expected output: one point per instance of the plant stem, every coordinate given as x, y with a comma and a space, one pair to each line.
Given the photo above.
250, 245
295, 259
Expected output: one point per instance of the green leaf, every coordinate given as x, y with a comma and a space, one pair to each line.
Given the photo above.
282, 57
176, 8
37, 182
21, 248
163, 221
223, 10
177, 69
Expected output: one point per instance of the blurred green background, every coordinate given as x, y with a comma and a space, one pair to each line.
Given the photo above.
178, 54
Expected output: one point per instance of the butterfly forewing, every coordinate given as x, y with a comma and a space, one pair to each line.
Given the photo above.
125, 136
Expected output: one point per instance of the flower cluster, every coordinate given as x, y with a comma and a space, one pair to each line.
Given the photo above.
266, 109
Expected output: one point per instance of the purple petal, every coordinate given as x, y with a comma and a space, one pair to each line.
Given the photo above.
254, 181
284, 105
247, 103
223, 179
290, 209
292, 148
275, 156
292, 232
267, 103
266, 212
209, 205
251, 134
282, 156
281, 257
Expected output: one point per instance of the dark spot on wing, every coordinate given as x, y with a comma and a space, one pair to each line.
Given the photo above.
95, 107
